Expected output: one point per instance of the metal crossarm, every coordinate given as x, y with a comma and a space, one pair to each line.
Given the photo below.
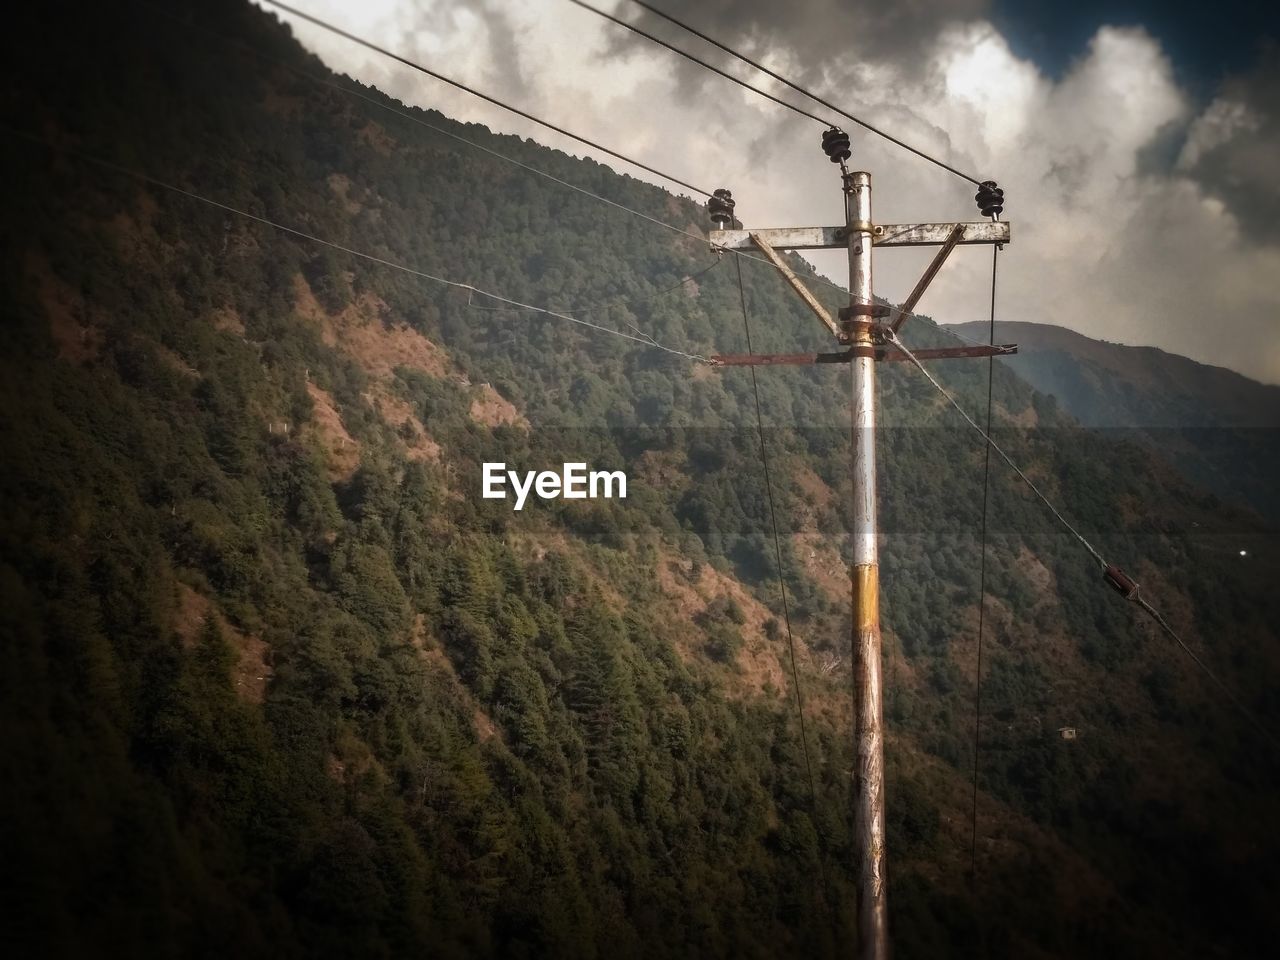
882, 235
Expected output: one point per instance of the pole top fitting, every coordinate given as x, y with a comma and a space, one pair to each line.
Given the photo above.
835, 144
990, 199
720, 208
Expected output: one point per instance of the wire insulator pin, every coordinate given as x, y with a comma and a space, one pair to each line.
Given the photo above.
990, 199
720, 208
835, 144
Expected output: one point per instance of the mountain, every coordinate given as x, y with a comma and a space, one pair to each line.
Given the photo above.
1215, 425
278, 680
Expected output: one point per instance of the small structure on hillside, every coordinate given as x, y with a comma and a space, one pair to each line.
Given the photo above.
1067, 733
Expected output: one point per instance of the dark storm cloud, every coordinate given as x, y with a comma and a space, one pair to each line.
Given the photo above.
1232, 149
825, 33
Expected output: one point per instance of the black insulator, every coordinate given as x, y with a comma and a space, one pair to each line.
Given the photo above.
990, 198
835, 144
720, 207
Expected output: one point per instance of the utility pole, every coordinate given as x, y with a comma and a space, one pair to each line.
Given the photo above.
864, 326
857, 324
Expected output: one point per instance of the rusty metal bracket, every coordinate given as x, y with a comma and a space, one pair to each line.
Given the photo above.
842, 233
791, 278
864, 310
891, 354
948, 353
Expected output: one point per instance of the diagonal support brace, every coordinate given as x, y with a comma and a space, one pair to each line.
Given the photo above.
796, 284
909, 305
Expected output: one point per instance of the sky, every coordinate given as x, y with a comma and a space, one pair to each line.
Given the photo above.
1137, 142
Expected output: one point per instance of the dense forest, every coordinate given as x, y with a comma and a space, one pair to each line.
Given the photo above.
278, 681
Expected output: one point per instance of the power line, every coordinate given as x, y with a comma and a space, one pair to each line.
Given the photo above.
497, 154
622, 298
413, 118
191, 194
545, 175
782, 584
1173, 635
893, 338
702, 63
368, 44
776, 76
982, 578
537, 171
338, 31
1130, 591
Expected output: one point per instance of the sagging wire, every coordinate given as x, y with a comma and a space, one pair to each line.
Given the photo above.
1116, 578
782, 585
351, 251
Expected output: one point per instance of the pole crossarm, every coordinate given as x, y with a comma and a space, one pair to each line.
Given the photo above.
909, 305
890, 354
810, 301
882, 235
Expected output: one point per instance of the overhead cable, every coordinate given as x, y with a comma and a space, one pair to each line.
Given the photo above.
368, 44
1113, 576
702, 63
816, 98
373, 258
497, 154
893, 338
782, 584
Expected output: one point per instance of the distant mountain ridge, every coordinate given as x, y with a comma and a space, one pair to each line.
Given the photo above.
1144, 386
1215, 425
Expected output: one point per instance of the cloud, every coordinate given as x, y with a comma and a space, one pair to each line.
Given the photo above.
1233, 148
812, 36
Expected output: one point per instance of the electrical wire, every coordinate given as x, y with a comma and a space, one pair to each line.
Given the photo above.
1173, 635
497, 154
893, 338
413, 118
1133, 596
782, 585
982, 579
702, 63
372, 258
781, 79
554, 179
370, 45
622, 298
338, 31
405, 114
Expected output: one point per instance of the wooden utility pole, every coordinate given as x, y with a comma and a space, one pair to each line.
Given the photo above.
863, 327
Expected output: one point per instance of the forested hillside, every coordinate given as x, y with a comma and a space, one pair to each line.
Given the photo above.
279, 682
